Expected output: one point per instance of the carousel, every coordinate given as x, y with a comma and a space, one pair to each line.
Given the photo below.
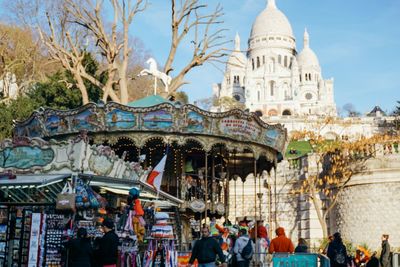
204, 151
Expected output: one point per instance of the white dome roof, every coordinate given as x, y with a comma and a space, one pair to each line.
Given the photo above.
271, 21
307, 57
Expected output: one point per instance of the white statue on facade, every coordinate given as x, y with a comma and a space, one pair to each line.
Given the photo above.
8, 86
152, 70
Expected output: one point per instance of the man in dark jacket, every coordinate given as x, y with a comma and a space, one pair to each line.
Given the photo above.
384, 259
206, 250
107, 253
80, 250
337, 252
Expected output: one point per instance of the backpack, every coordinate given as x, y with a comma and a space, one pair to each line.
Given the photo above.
340, 256
247, 251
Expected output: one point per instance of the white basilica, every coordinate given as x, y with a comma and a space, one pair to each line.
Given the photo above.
273, 78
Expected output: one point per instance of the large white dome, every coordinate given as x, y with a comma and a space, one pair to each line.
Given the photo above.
271, 21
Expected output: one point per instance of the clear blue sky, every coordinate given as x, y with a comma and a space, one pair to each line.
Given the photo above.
357, 43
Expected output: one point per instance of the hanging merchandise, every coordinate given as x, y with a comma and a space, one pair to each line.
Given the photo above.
129, 253
82, 197
148, 256
66, 199
162, 229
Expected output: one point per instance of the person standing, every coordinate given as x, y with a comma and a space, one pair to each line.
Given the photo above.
337, 253
240, 244
206, 250
301, 246
107, 253
384, 259
80, 250
281, 243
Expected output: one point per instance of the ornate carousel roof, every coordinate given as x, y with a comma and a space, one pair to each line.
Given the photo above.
236, 129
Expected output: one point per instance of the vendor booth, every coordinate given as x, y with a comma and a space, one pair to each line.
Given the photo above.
113, 148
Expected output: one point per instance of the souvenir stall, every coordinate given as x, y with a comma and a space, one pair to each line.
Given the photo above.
45, 198
204, 151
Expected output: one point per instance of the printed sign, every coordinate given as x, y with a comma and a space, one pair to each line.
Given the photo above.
240, 128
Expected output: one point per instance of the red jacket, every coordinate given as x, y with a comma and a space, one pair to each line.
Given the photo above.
281, 243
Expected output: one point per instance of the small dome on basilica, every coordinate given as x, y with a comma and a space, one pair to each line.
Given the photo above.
307, 57
271, 21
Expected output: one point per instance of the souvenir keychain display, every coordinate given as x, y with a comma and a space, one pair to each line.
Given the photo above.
55, 224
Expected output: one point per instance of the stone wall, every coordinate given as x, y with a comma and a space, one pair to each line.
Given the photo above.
370, 205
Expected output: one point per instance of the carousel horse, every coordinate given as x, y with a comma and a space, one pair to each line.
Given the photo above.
152, 70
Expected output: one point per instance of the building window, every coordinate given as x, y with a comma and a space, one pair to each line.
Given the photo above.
280, 59
286, 112
252, 63
263, 60
300, 77
236, 97
271, 88
309, 76
306, 77
285, 62
258, 95
308, 96
258, 62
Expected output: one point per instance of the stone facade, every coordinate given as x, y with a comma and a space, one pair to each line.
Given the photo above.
366, 208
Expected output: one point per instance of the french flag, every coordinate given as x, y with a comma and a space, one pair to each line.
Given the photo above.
155, 177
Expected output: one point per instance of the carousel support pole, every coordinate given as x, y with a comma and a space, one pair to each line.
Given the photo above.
275, 202
269, 204
212, 203
206, 187
227, 191
235, 178
255, 209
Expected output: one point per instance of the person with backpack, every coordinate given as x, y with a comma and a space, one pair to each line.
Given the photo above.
206, 250
337, 253
243, 249
384, 259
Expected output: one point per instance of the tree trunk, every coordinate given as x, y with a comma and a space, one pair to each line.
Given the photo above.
318, 210
80, 84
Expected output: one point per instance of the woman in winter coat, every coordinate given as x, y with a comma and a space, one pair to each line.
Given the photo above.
337, 252
80, 250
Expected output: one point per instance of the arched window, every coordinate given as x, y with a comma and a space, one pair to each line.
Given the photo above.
309, 76
300, 77
252, 63
280, 59
271, 65
306, 77
285, 62
258, 62
271, 88
286, 112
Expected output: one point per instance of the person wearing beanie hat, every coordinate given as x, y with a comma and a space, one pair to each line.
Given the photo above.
281, 243
107, 253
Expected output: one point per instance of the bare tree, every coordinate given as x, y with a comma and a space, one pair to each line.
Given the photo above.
208, 38
83, 21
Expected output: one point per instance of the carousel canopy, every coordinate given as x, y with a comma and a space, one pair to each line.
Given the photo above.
236, 130
149, 101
